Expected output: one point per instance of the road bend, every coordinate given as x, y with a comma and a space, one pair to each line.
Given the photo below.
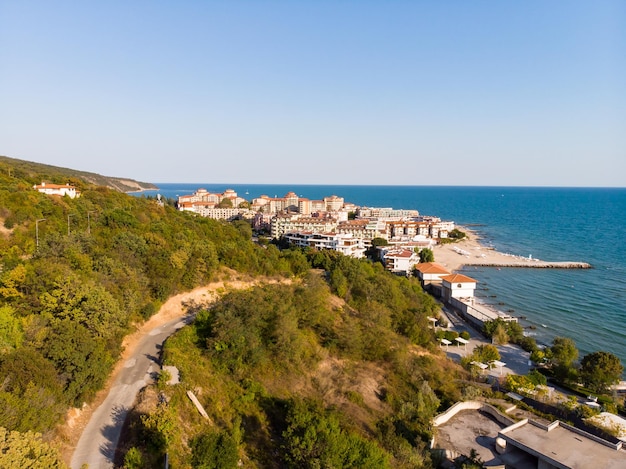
100, 437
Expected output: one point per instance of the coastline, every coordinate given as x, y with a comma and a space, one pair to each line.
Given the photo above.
471, 252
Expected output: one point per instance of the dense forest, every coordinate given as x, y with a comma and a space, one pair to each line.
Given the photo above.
337, 368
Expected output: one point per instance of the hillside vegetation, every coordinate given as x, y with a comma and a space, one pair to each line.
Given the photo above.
56, 174
337, 368
105, 261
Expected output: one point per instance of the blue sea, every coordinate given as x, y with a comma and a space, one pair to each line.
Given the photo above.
551, 224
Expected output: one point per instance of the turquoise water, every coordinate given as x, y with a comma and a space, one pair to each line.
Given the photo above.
553, 224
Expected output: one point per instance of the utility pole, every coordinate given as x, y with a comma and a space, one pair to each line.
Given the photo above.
68, 222
37, 230
89, 221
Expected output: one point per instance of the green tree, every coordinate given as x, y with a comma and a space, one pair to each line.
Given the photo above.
500, 335
456, 234
11, 332
11, 282
160, 427
225, 203
427, 255
314, 438
486, 353
80, 359
504, 331
214, 450
27, 450
372, 252
599, 370
133, 459
31, 397
564, 354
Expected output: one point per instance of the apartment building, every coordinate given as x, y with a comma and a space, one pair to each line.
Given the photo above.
346, 244
363, 229
399, 261
287, 223
385, 212
204, 200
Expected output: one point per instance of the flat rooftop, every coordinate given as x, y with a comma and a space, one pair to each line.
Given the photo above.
565, 446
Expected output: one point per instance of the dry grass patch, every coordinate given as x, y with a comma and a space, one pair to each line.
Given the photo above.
354, 387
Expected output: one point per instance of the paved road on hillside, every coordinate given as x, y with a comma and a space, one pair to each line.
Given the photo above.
98, 442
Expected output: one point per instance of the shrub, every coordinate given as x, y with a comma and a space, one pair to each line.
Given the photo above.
537, 378
486, 353
133, 459
214, 450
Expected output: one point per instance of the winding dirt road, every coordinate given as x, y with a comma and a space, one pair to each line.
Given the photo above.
100, 424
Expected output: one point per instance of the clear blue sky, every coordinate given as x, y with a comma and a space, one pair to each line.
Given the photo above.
319, 92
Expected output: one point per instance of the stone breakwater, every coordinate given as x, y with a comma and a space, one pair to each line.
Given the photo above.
531, 264
469, 252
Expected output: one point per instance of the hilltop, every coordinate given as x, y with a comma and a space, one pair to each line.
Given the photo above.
29, 169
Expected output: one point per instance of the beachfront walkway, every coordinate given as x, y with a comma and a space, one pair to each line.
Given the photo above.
516, 359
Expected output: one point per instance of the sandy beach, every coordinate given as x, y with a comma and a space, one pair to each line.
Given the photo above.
470, 251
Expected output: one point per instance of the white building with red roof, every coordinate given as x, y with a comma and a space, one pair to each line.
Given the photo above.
431, 272
457, 286
57, 189
400, 260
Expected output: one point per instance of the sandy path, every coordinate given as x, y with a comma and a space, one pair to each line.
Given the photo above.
175, 307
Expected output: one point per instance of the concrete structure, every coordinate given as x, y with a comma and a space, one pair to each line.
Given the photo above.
531, 445
387, 212
288, 223
399, 261
363, 229
291, 202
473, 405
402, 229
457, 286
431, 272
229, 214
57, 189
441, 229
477, 313
467, 426
528, 444
343, 243
333, 203
202, 201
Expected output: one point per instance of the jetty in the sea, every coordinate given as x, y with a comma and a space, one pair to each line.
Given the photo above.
469, 252
535, 263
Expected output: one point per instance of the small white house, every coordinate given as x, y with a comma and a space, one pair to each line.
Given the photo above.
457, 286
57, 189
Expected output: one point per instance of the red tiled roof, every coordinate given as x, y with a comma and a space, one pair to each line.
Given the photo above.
48, 185
431, 268
458, 278
399, 253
